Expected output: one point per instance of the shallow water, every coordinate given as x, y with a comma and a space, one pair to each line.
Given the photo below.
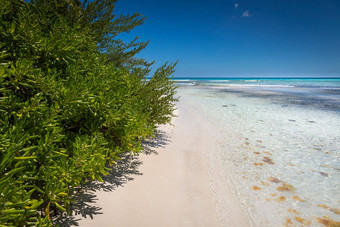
280, 147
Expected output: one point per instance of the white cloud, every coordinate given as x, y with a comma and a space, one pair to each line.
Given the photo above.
236, 5
246, 14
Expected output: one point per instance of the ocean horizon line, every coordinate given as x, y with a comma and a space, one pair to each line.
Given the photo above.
252, 78
257, 78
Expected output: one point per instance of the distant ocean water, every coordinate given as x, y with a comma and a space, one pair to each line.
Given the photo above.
281, 144
321, 93
291, 82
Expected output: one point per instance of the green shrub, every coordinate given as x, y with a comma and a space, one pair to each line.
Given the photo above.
72, 99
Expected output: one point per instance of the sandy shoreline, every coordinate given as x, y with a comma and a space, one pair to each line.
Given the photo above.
181, 185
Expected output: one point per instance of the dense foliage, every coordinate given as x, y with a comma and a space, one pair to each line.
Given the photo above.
73, 97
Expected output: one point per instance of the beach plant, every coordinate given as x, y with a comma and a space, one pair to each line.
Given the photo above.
73, 98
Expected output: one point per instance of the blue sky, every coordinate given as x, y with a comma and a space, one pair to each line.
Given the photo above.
248, 38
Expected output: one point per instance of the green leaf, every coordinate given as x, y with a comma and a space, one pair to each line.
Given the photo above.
25, 158
59, 207
36, 204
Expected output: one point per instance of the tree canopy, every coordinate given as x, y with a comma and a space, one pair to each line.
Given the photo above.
73, 97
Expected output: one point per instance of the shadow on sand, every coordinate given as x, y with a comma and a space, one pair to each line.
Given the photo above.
85, 199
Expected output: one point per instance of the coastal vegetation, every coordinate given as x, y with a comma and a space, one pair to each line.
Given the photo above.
73, 98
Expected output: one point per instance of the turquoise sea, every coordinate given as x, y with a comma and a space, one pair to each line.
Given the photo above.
331, 82
280, 144
317, 92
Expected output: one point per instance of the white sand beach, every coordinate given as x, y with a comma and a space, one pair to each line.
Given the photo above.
234, 157
181, 185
